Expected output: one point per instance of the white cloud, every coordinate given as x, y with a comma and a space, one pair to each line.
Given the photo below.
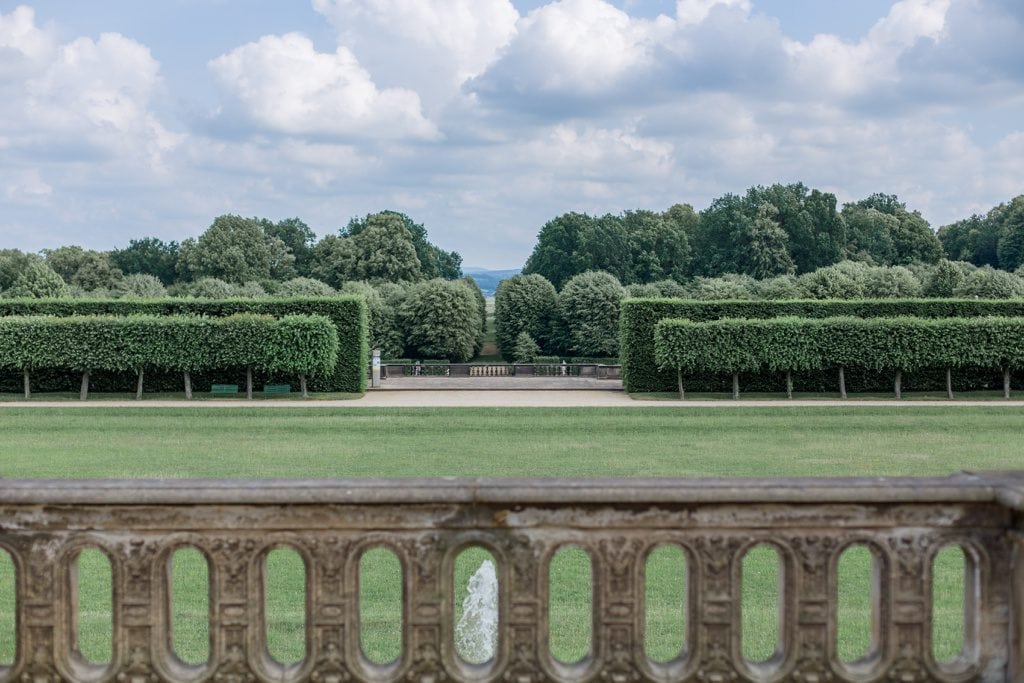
24, 47
432, 45
691, 12
284, 84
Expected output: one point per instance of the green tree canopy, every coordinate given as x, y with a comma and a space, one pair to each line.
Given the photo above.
37, 281
442, 320
589, 305
523, 304
433, 261
88, 269
149, 256
237, 250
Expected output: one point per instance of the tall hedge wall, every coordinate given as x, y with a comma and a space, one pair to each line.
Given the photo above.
296, 344
640, 316
781, 344
347, 313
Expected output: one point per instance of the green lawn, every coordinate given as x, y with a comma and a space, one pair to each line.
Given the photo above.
71, 443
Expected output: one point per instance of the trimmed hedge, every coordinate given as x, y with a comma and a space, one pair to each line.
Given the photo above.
347, 313
795, 344
297, 345
641, 373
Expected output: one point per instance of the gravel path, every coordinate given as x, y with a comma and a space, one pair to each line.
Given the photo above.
505, 399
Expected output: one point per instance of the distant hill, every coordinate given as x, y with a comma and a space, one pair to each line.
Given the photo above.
488, 280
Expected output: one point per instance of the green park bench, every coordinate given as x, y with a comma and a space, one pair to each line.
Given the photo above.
224, 389
277, 389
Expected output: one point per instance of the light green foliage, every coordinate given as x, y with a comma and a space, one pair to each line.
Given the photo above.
141, 286
346, 313
209, 288
840, 281
778, 288
523, 303
892, 282
433, 261
442, 320
895, 237
589, 305
384, 251
12, 263
526, 349
236, 250
944, 279
304, 286
640, 316
250, 290
90, 270
722, 288
293, 344
779, 344
989, 283
37, 281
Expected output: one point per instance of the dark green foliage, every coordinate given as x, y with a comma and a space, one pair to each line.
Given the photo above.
944, 280
148, 256
347, 313
523, 303
298, 237
442, 320
640, 316
884, 230
304, 345
800, 344
589, 306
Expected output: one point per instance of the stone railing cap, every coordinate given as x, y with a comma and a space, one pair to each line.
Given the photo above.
1004, 488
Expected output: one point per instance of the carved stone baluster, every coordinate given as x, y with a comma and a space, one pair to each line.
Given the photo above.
620, 558
995, 605
232, 559
525, 608
813, 611
329, 610
423, 582
134, 597
717, 610
42, 614
908, 595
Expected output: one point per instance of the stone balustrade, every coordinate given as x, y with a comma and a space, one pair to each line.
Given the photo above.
522, 523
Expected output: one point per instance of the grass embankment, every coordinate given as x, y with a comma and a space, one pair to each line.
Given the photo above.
504, 442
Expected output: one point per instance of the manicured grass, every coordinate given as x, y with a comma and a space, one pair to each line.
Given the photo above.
70, 443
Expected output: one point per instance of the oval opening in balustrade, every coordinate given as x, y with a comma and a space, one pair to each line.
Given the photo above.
190, 606
8, 609
665, 598
93, 599
859, 604
284, 581
476, 600
761, 608
381, 602
949, 604
570, 605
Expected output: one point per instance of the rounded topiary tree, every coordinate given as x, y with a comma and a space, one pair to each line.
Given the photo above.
523, 303
441, 320
590, 304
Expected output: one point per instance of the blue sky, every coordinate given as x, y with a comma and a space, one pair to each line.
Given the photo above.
484, 118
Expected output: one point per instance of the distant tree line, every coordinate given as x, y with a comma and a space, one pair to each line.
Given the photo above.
781, 230
236, 256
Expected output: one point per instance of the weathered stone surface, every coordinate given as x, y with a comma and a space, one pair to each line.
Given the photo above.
903, 522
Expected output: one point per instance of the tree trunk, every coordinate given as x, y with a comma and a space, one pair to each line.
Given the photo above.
84, 393
899, 384
138, 387
842, 382
789, 384
735, 385
1006, 382
188, 386
679, 379
248, 383
949, 384
26, 384
302, 384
